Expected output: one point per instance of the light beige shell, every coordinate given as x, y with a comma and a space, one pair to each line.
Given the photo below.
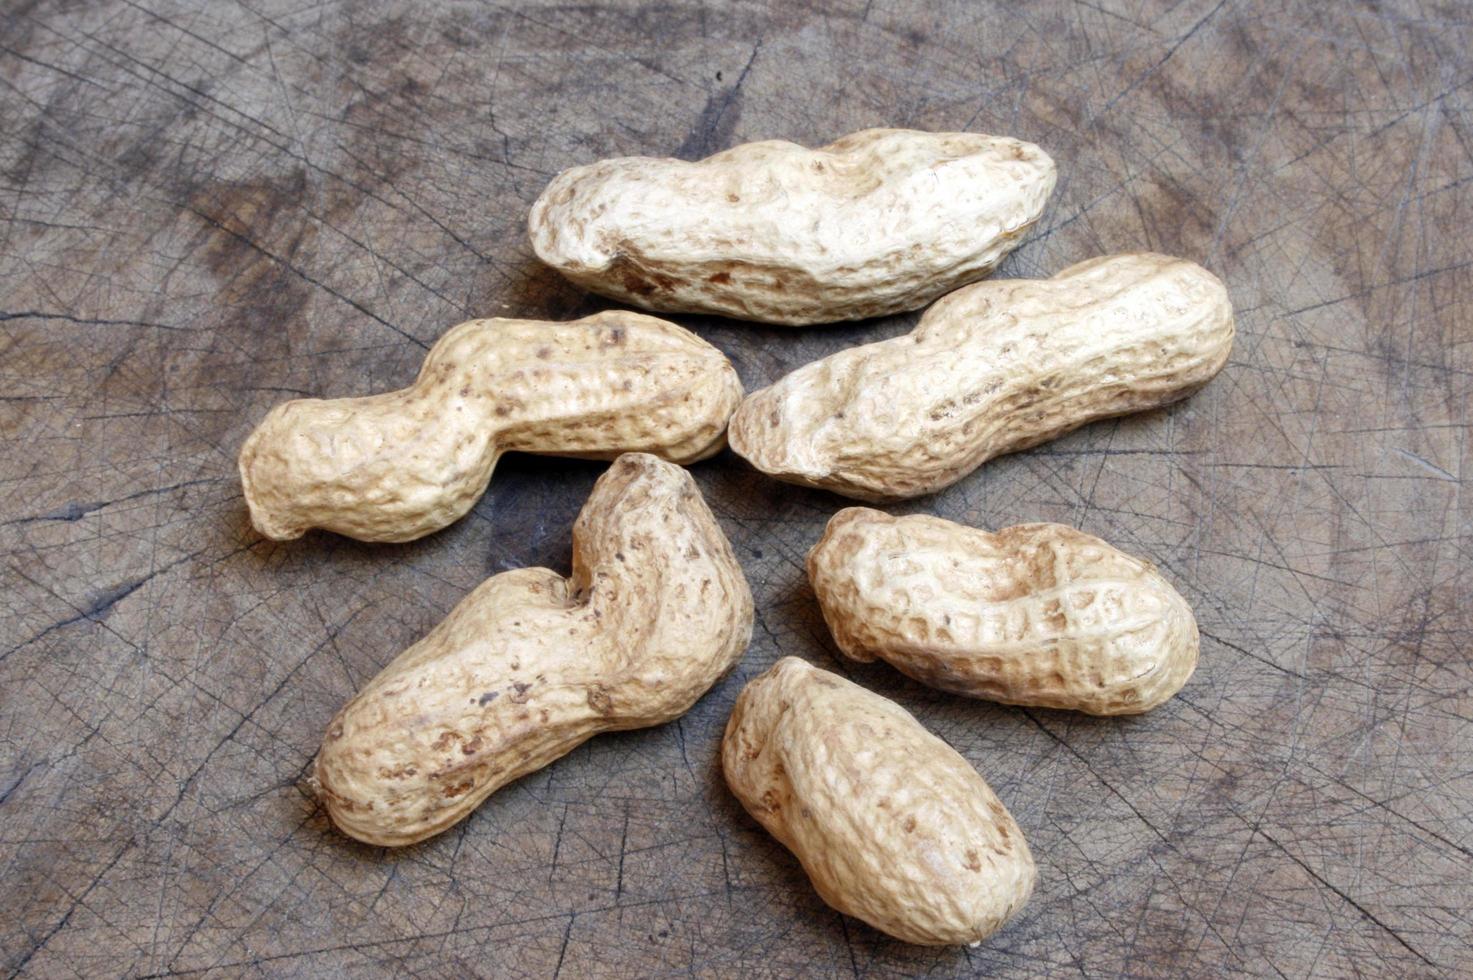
878, 222
397, 466
530, 665
1037, 614
991, 369
891, 824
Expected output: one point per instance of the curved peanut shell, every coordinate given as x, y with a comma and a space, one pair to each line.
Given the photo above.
891, 824
878, 222
398, 466
1037, 614
991, 369
530, 665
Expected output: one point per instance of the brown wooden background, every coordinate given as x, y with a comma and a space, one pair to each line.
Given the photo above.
208, 208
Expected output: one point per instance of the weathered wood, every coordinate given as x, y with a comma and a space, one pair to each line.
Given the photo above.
208, 208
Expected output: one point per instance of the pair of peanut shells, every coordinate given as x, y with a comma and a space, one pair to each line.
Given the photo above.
891, 824
530, 664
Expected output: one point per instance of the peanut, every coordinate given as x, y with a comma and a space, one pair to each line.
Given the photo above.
993, 368
530, 665
878, 222
397, 466
891, 824
1037, 614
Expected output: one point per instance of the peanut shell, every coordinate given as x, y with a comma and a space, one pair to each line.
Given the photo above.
990, 369
400, 465
891, 824
1036, 614
881, 221
530, 665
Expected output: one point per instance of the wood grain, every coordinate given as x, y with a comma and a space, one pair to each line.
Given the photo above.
206, 209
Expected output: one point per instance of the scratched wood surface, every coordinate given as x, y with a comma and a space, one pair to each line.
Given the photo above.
208, 208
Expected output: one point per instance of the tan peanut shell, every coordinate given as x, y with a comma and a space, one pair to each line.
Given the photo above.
1037, 614
397, 466
891, 824
878, 222
990, 369
530, 665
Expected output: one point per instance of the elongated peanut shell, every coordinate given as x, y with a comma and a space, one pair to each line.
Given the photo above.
398, 466
878, 222
892, 825
530, 665
991, 369
1037, 614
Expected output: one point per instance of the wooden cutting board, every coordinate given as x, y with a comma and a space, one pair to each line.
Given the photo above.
208, 208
